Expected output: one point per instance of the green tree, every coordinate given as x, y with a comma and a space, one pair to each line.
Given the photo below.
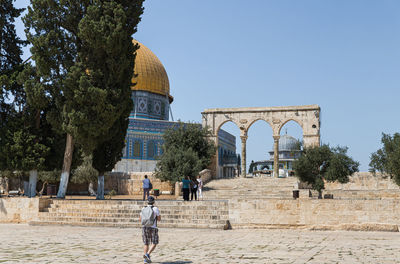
386, 160
85, 173
10, 58
186, 152
84, 54
22, 143
324, 163
107, 154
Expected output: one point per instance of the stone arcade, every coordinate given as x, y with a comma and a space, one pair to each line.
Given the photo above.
307, 116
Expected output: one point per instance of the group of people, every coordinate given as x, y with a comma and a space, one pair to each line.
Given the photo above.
190, 188
193, 187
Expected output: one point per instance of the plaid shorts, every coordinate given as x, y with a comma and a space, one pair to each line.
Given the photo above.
150, 235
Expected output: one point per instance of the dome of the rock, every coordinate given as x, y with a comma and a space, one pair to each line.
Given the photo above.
151, 74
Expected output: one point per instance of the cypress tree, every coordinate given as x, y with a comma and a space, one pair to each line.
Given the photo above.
85, 57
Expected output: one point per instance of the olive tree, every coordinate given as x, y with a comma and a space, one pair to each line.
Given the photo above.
319, 163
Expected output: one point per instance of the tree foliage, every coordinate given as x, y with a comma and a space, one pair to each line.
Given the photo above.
26, 141
187, 151
84, 54
10, 58
324, 163
386, 160
84, 173
85, 57
10, 43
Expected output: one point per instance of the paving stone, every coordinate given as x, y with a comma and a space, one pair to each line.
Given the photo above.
98, 245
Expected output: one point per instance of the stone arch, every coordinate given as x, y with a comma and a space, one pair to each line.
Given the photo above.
221, 153
223, 123
307, 116
288, 120
260, 119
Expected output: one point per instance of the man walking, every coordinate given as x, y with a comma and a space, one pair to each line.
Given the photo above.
146, 187
149, 217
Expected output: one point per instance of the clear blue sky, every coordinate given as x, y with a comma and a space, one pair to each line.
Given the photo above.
343, 55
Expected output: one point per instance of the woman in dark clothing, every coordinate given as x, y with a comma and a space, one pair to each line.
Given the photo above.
193, 190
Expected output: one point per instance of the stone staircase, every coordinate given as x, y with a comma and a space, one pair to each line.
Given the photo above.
250, 188
125, 213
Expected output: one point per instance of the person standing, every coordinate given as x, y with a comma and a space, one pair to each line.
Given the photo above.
146, 187
200, 188
149, 217
186, 188
193, 190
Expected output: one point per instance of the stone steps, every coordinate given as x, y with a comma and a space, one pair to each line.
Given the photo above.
196, 214
127, 216
125, 225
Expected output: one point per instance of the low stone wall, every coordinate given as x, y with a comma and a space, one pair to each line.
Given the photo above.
317, 214
131, 184
314, 213
206, 175
364, 181
20, 209
364, 194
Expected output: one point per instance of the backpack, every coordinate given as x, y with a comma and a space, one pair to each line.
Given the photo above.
148, 216
150, 185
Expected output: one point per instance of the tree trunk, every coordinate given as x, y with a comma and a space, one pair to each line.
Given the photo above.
26, 188
100, 187
91, 190
42, 190
4, 184
69, 150
33, 174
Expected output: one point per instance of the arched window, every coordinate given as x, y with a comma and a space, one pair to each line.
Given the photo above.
151, 149
130, 148
136, 149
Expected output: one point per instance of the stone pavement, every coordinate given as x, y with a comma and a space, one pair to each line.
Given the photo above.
66, 244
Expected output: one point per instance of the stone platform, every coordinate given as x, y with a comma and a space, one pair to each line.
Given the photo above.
125, 213
67, 244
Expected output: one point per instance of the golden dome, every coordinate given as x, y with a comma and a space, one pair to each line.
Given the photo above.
151, 74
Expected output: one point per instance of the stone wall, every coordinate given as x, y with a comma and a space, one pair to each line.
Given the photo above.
245, 213
206, 175
132, 165
364, 181
313, 212
131, 184
20, 209
364, 194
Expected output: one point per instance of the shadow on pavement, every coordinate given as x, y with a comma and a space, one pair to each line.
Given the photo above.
176, 262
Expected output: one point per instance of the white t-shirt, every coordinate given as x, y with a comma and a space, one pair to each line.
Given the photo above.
200, 181
156, 212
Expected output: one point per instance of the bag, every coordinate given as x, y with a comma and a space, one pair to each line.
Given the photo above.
150, 186
148, 216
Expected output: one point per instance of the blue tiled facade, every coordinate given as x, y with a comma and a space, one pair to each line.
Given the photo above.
144, 137
149, 106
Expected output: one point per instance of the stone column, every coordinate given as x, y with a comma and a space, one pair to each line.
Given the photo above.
244, 139
276, 156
